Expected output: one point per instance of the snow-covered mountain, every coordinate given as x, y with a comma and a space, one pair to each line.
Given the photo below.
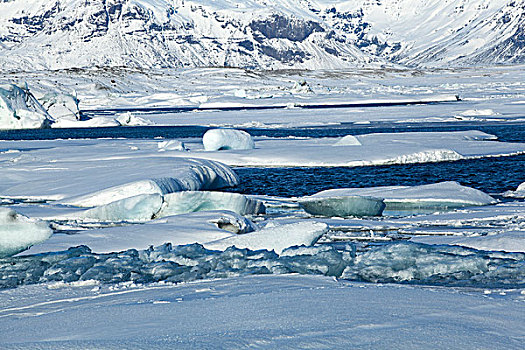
268, 34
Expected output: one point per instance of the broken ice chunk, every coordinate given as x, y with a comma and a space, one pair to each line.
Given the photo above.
225, 139
275, 238
18, 232
343, 206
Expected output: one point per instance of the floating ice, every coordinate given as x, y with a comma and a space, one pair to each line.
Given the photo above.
348, 140
397, 262
224, 139
509, 241
275, 238
19, 109
442, 195
17, 232
192, 201
519, 193
171, 145
97, 122
343, 206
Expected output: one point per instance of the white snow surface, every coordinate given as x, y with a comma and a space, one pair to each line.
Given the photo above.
509, 241
18, 232
276, 238
447, 194
245, 312
227, 139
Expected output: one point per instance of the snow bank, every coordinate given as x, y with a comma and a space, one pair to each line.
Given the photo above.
192, 201
18, 232
519, 193
225, 139
343, 206
19, 109
440, 195
275, 238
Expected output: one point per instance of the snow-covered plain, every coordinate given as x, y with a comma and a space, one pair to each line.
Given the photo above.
258, 312
118, 197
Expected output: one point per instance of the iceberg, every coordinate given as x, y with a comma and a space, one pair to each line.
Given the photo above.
276, 238
19, 109
192, 201
442, 195
519, 193
343, 206
133, 209
17, 232
226, 139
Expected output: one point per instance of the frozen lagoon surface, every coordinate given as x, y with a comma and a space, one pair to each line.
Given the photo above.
458, 281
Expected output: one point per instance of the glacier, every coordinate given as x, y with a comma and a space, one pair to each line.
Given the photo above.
227, 139
18, 232
343, 206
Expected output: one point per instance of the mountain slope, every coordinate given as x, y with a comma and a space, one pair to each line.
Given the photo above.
264, 34
163, 33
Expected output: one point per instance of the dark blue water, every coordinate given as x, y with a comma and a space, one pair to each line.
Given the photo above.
509, 132
492, 175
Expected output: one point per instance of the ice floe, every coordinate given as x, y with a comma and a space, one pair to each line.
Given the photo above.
227, 139
17, 232
440, 195
375, 149
343, 206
